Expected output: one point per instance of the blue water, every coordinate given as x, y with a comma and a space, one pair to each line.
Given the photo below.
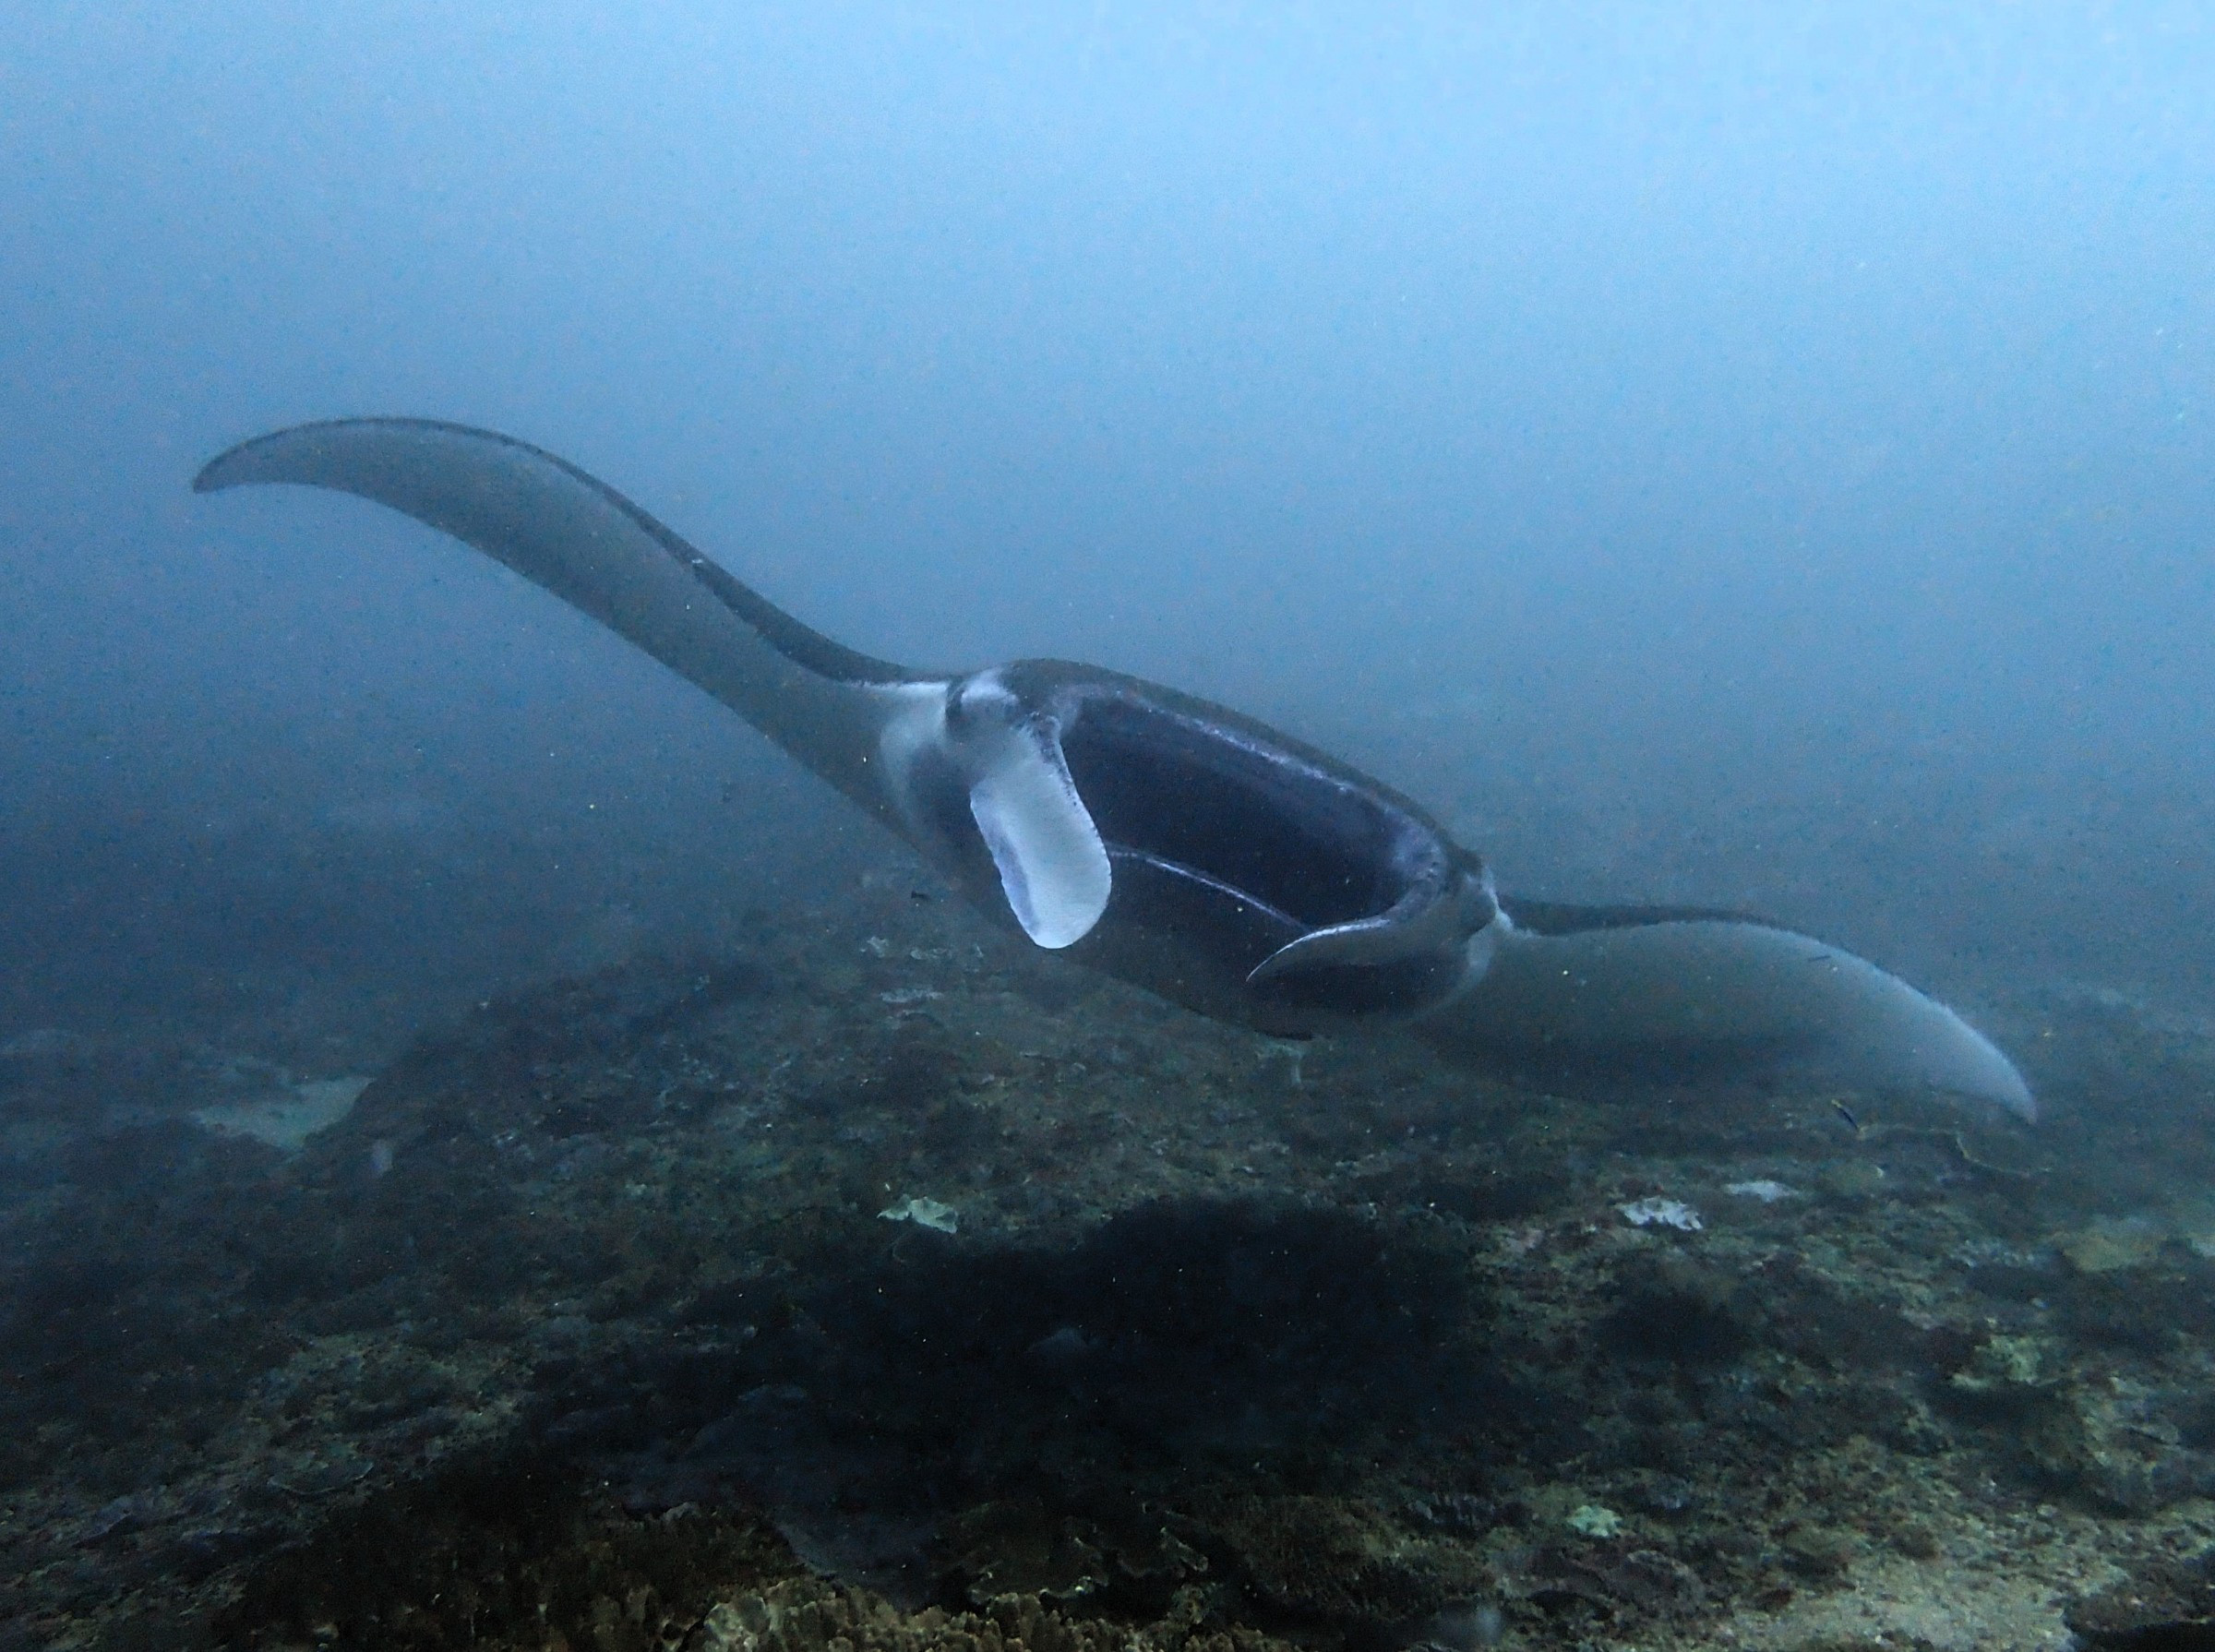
1743, 453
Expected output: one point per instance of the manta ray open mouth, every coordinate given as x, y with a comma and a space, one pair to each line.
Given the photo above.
1252, 821
1318, 891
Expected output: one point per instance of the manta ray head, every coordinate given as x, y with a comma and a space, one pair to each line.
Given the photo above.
1184, 846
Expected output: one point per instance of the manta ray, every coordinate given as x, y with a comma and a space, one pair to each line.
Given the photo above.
1159, 838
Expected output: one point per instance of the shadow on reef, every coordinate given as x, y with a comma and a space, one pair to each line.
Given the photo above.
901, 1416
506, 1550
497, 1554
2168, 1606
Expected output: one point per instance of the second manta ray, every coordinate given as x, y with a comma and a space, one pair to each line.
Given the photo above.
1171, 842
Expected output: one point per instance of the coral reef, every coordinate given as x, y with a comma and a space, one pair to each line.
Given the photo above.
581, 1328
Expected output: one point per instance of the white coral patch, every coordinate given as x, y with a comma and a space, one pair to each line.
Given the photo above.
923, 1213
1661, 1213
1768, 1193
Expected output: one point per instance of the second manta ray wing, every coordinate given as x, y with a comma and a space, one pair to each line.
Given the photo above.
1162, 839
1574, 987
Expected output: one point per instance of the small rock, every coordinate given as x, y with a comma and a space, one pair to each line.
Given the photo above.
1852, 1179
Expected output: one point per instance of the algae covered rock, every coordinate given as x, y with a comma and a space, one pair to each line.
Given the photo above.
1342, 1560
808, 1615
2008, 1365
2170, 1603
2113, 1243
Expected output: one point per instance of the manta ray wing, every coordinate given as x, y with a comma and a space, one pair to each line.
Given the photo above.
1598, 985
593, 548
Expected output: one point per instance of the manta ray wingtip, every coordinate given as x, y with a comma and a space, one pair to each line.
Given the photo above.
233, 467
210, 477
2010, 1090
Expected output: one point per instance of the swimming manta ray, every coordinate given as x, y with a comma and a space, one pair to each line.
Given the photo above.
1158, 838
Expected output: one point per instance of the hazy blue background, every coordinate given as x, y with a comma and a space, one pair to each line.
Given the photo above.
1755, 453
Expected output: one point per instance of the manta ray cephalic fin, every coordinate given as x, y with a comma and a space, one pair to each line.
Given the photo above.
1051, 862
